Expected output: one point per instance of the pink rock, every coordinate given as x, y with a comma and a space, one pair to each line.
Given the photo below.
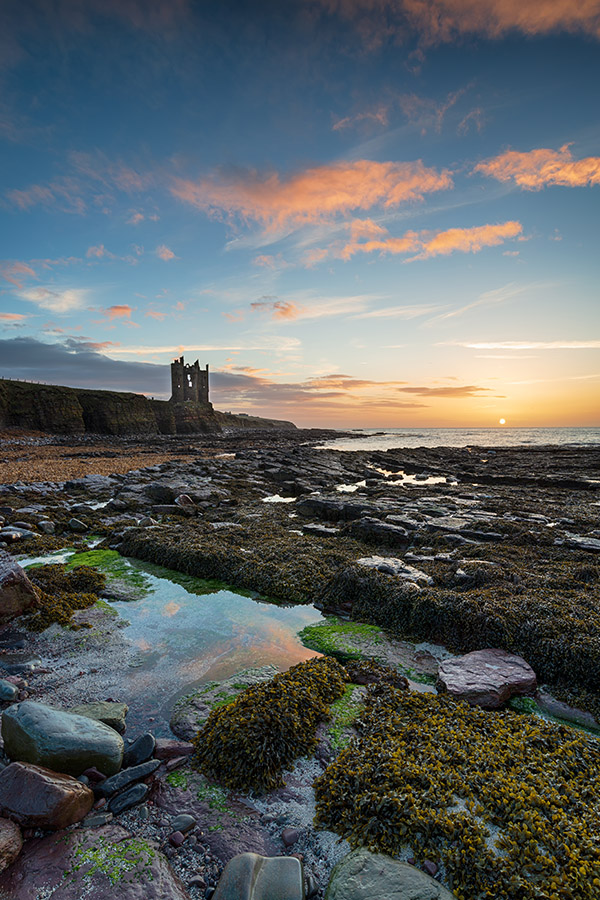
167, 748
36, 797
486, 678
176, 839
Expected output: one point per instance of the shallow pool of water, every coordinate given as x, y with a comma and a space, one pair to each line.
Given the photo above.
186, 631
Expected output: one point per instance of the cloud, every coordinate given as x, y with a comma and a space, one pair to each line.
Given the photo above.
97, 252
80, 364
56, 300
378, 115
529, 345
426, 244
11, 317
399, 312
488, 298
118, 312
135, 218
11, 272
311, 308
452, 392
163, 252
536, 169
313, 196
443, 21
155, 314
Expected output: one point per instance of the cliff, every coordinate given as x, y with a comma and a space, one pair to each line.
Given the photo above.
65, 410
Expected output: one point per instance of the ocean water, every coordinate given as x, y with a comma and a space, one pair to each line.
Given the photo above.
501, 436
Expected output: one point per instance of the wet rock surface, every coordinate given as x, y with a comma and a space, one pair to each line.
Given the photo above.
36, 733
17, 594
36, 797
487, 678
252, 877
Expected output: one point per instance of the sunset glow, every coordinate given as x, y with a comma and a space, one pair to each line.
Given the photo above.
358, 214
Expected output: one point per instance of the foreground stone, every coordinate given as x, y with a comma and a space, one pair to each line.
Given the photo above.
59, 740
253, 877
36, 797
11, 842
111, 713
487, 678
17, 594
363, 876
105, 863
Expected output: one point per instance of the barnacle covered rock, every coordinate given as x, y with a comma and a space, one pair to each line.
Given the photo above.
507, 803
247, 743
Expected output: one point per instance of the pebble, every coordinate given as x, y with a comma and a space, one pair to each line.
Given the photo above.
183, 822
8, 691
128, 798
289, 836
176, 839
140, 751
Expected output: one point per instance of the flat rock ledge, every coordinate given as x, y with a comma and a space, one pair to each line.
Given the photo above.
487, 678
363, 875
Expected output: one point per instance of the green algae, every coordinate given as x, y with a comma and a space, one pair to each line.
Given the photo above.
113, 860
117, 569
337, 638
344, 713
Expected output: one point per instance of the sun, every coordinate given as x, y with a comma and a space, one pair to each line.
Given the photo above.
501, 421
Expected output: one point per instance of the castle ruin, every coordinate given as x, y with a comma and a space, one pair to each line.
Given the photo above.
188, 382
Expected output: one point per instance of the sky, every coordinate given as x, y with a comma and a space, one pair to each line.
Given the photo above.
359, 213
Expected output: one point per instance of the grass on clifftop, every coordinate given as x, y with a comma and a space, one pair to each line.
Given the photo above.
506, 803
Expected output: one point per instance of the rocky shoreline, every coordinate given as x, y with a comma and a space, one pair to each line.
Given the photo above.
464, 548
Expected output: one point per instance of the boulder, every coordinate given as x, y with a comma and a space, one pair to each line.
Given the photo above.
36, 797
389, 565
17, 594
11, 842
249, 876
141, 750
104, 863
39, 734
129, 798
363, 875
111, 713
486, 678
374, 531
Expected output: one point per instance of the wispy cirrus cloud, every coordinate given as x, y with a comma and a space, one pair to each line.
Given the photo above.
313, 196
536, 169
13, 272
312, 308
450, 392
488, 298
12, 317
526, 345
427, 244
399, 312
378, 115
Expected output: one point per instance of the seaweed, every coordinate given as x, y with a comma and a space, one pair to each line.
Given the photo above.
507, 803
247, 743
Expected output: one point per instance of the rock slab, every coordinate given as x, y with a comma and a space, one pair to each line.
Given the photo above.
110, 712
363, 875
249, 876
36, 797
486, 678
17, 594
38, 734
104, 863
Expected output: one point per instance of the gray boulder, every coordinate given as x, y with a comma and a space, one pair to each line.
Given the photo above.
249, 876
110, 712
363, 875
486, 678
39, 734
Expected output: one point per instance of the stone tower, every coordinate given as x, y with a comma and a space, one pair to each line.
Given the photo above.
188, 382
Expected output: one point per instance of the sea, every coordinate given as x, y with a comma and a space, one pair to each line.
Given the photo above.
500, 436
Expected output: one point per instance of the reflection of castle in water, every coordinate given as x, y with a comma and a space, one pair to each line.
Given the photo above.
188, 382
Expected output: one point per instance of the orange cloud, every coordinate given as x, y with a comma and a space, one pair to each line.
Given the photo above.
537, 168
425, 244
11, 317
163, 252
11, 271
441, 21
97, 252
315, 195
155, 314
118, 312
279, 309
